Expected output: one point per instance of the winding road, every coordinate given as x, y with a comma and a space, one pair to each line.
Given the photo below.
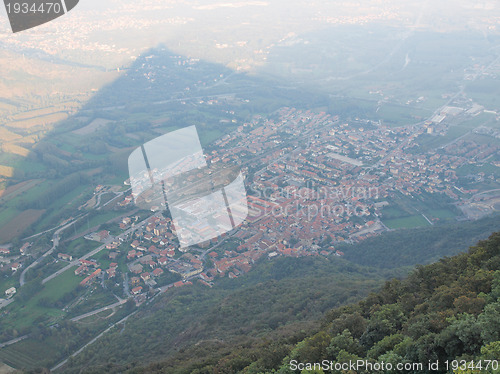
55, 243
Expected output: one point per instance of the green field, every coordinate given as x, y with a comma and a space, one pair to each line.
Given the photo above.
396, 115
441, 213
8, 213
474, 169
27, 354
95, 299
428, 142
78, 247
97, 220
393, 211
27, 314
70, 200
406, 222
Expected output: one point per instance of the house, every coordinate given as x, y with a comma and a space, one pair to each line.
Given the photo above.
82, 269
4, 251
205, 277
136, 290
88, 263
103, 235
163, 261
157, 272
111, 272
24, 248
11, 291
205, 283
87, 280
154, 250
136, 268
135, 280
181, 283
112, 245
145, 276
144, 260
15, 266
64, 256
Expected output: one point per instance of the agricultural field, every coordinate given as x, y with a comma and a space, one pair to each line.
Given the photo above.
486, 92
24, 314
396, 115
26, 354
457, 130
475, 169
406, 222
92, 127
6, 171
36, 122
78, 247
18, 224
441, 214
7, 135
15, 149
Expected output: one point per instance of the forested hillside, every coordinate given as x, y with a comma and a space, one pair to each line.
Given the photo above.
449, 310
420, 246
443, 311
196, 325
446, 311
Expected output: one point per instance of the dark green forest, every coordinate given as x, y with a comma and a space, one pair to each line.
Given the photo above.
282, 310
274, 299
448, 310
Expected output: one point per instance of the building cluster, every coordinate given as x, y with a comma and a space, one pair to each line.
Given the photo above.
312, 182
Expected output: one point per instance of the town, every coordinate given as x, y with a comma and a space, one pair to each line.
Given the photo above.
312, 182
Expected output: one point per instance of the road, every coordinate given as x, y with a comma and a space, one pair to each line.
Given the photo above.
111, 306
93, 252
161, 289
5, 302
92, 341
74, 263
55, 243
485, 192
118, 194
13, 341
